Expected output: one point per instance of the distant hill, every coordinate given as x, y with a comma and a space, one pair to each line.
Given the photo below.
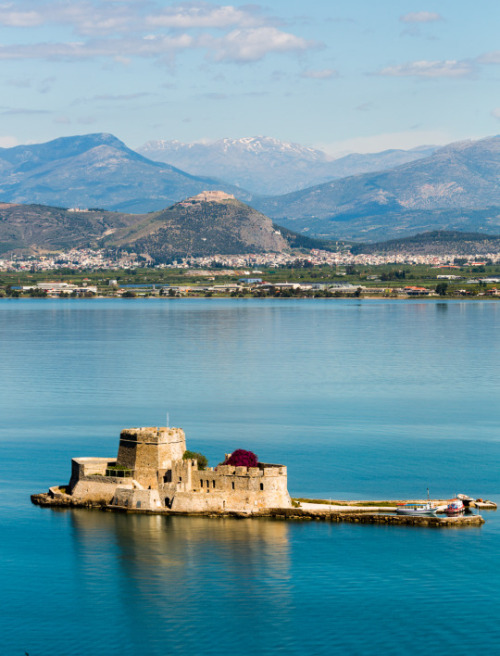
267, 166
38, 228
95, 170
207, 224
202, 225
456, 188
437, 242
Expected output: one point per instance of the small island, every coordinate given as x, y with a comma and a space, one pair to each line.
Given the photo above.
154, 473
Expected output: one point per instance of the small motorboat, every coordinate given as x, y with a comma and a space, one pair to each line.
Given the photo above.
466, 500
417, 510
455, 508
412, 509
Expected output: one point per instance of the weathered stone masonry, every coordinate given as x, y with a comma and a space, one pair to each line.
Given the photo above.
150, 474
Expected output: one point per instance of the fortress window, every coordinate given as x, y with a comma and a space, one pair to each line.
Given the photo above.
262, 486
232, 484
138, 504
213, 483
168, 476
180, 479
201, 483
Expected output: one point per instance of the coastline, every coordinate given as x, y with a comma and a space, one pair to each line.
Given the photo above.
337, 514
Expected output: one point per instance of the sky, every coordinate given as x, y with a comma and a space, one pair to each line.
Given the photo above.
340, 75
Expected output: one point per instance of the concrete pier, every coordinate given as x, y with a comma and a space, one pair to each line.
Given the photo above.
353, 517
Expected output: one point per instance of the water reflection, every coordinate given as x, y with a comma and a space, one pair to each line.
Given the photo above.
166, 575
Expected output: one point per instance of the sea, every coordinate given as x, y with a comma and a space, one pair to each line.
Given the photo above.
361, 399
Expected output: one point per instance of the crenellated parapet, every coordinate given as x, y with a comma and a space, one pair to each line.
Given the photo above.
151, 474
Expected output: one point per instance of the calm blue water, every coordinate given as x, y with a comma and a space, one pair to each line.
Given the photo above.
360, 399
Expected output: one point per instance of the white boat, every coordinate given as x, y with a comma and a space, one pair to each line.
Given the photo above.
413, 509
425, 510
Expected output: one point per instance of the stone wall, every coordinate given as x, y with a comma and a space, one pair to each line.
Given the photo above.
98, 489
150, 450
137, 499
163, 479
82, 467
244, 489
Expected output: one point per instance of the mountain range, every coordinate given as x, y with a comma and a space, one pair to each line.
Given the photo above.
455, 188
267, 166
209, 223
95, 170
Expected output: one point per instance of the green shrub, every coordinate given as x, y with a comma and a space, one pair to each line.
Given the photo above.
193, 455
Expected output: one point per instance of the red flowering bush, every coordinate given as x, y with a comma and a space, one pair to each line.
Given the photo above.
242, 458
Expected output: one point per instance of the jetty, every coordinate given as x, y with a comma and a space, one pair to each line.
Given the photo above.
370, 517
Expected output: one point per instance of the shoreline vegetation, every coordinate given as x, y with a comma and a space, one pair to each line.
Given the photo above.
480, 280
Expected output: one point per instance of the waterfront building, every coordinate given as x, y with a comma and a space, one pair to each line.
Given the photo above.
152, 473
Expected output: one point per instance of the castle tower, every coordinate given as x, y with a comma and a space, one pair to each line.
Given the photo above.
149, 452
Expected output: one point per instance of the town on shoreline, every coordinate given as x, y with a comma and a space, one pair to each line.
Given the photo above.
319, 274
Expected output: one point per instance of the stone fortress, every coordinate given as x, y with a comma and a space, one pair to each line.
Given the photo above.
150, 474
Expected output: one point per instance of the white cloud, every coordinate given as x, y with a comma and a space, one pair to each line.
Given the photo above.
13, 18
253, 44
90, 17
431, 69
159, 46
324, 74
121, 30
85, 17
8, 141
489, 58
421, 17
404, 140
237, 46
203, 15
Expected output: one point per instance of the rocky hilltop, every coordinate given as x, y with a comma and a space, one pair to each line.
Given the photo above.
212, 222
208, 223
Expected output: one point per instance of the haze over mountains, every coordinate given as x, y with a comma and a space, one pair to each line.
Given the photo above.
267, 166
456, 188
95, 170
453, 188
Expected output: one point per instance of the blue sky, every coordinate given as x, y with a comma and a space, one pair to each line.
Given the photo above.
346, 76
